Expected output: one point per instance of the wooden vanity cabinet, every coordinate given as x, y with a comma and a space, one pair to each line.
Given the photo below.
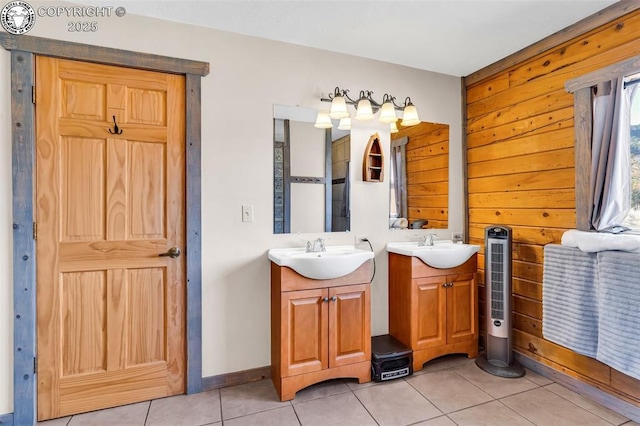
433, 311
320, 329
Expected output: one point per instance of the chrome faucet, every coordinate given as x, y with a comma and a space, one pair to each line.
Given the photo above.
316, 246
427, 240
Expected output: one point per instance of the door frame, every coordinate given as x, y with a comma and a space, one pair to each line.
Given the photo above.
23, 51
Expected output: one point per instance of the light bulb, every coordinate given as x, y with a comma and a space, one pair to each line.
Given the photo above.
338, 108
388, 113
345, 123
410, 115
323, 121
365, 112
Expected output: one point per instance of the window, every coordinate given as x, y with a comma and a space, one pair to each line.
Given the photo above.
632, 220
607, 126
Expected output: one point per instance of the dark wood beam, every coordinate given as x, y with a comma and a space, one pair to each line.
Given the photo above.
103, 55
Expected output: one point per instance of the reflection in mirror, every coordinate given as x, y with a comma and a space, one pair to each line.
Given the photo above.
419, 177
310, 174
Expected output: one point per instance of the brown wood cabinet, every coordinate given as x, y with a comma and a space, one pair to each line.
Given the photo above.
433, 311
320, 329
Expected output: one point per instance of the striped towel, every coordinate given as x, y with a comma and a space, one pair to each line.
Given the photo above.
569, 298
619, 305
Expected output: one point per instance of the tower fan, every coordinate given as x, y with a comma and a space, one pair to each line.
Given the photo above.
497, 358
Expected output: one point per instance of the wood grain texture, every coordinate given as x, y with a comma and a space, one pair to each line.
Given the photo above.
433, 311
526, 170
427, 165
349, 325
594, 21
121, 306
24, 265
318, 333
23, 140
193, 244
83, 52
583, 134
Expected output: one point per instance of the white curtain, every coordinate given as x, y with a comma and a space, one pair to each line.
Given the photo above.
610, 156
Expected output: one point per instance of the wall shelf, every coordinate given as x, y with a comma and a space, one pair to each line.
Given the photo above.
373, 161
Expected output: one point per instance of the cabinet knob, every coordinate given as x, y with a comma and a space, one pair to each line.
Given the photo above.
325, 299
334, 298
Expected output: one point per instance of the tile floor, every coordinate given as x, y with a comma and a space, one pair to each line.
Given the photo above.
448, 391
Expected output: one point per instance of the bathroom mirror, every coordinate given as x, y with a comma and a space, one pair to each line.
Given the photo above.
419, 177
310, 173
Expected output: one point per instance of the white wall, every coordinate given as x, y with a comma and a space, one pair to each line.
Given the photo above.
248, 75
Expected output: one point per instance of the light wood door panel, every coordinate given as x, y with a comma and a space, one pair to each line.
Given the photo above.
110, 310
304, 331
429, 303
349, 325
461, 311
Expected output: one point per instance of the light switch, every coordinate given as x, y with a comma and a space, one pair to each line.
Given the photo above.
247, 213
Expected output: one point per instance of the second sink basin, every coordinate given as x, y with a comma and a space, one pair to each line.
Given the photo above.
336, 262
443, 254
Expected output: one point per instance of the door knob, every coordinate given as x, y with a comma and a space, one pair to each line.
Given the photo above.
172, 253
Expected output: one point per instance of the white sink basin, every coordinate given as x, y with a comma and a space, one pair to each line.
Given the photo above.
443, 254
336, 262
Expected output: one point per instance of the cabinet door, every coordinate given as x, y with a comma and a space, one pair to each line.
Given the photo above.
428, 310
461, 309
349, 325
304, 331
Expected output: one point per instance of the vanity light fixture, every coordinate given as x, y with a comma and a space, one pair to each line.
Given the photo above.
323, 121
345, 123
366, 107
338, 106
393, 128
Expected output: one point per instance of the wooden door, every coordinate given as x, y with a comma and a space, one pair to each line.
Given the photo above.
304, 331
429, 310
461, 308
110, 310
349, 325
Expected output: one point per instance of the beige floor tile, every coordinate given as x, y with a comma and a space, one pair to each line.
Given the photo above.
126, 415
396, 403
438, 421
497, 387
284, 416
62, 421
543, 407
537, 378
448, 391
342, 409
492, 413
587, 404
443, 363
354, 385
321, 390
193, 410
249, 398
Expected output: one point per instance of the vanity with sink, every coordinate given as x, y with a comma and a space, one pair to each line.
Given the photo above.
433, 298
320, 316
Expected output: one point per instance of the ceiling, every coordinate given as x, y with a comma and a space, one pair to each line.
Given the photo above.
455, 37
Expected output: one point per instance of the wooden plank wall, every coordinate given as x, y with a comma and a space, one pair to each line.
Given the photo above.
427, 172
520, 150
